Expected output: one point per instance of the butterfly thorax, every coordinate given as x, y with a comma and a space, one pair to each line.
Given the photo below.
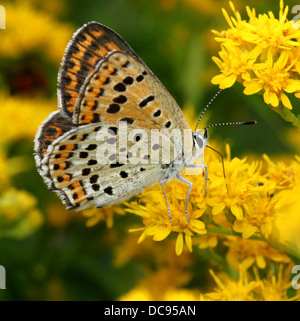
185, 155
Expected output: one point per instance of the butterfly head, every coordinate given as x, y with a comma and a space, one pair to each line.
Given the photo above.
199, 141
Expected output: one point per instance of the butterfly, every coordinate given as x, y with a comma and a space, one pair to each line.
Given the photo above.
103, 87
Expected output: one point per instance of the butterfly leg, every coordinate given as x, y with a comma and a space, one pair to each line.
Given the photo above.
184, 180
204, 167
166, 198
205, 181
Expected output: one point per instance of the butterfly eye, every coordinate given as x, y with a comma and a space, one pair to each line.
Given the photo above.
198, 140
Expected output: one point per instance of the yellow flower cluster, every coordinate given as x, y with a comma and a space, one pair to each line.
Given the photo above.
171, 276
17, 111
267, 289
29, 30
249, 202
247, 222
144, 293
106, 214
262, 54
167, 284
244, 253
19, 215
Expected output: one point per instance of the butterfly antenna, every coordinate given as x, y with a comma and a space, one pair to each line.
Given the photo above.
206, 107
248, 122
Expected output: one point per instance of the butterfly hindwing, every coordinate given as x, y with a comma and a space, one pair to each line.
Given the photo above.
52, 128
123, 88
89, 166
89, 45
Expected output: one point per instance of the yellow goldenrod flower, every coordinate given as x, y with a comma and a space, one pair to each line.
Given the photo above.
156, 220
242, 182
17, 111
167, 285
30, 30
289, 224
261, 53
181, 295
231, 290
249, 201
274, 288
244, 253
262, 212
161, 286
273, 78
95, 215
10, 166
271, 288
141, 293
19, 216
284, 176
127, 251
4, 176
277, 206
234, 64
54, 7
208, 241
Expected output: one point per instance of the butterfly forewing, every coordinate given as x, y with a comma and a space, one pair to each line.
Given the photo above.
123, 88
89, 45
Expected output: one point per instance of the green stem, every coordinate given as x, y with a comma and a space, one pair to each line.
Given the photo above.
287, 115
225, 232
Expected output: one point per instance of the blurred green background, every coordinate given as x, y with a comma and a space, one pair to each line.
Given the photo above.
49, 253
